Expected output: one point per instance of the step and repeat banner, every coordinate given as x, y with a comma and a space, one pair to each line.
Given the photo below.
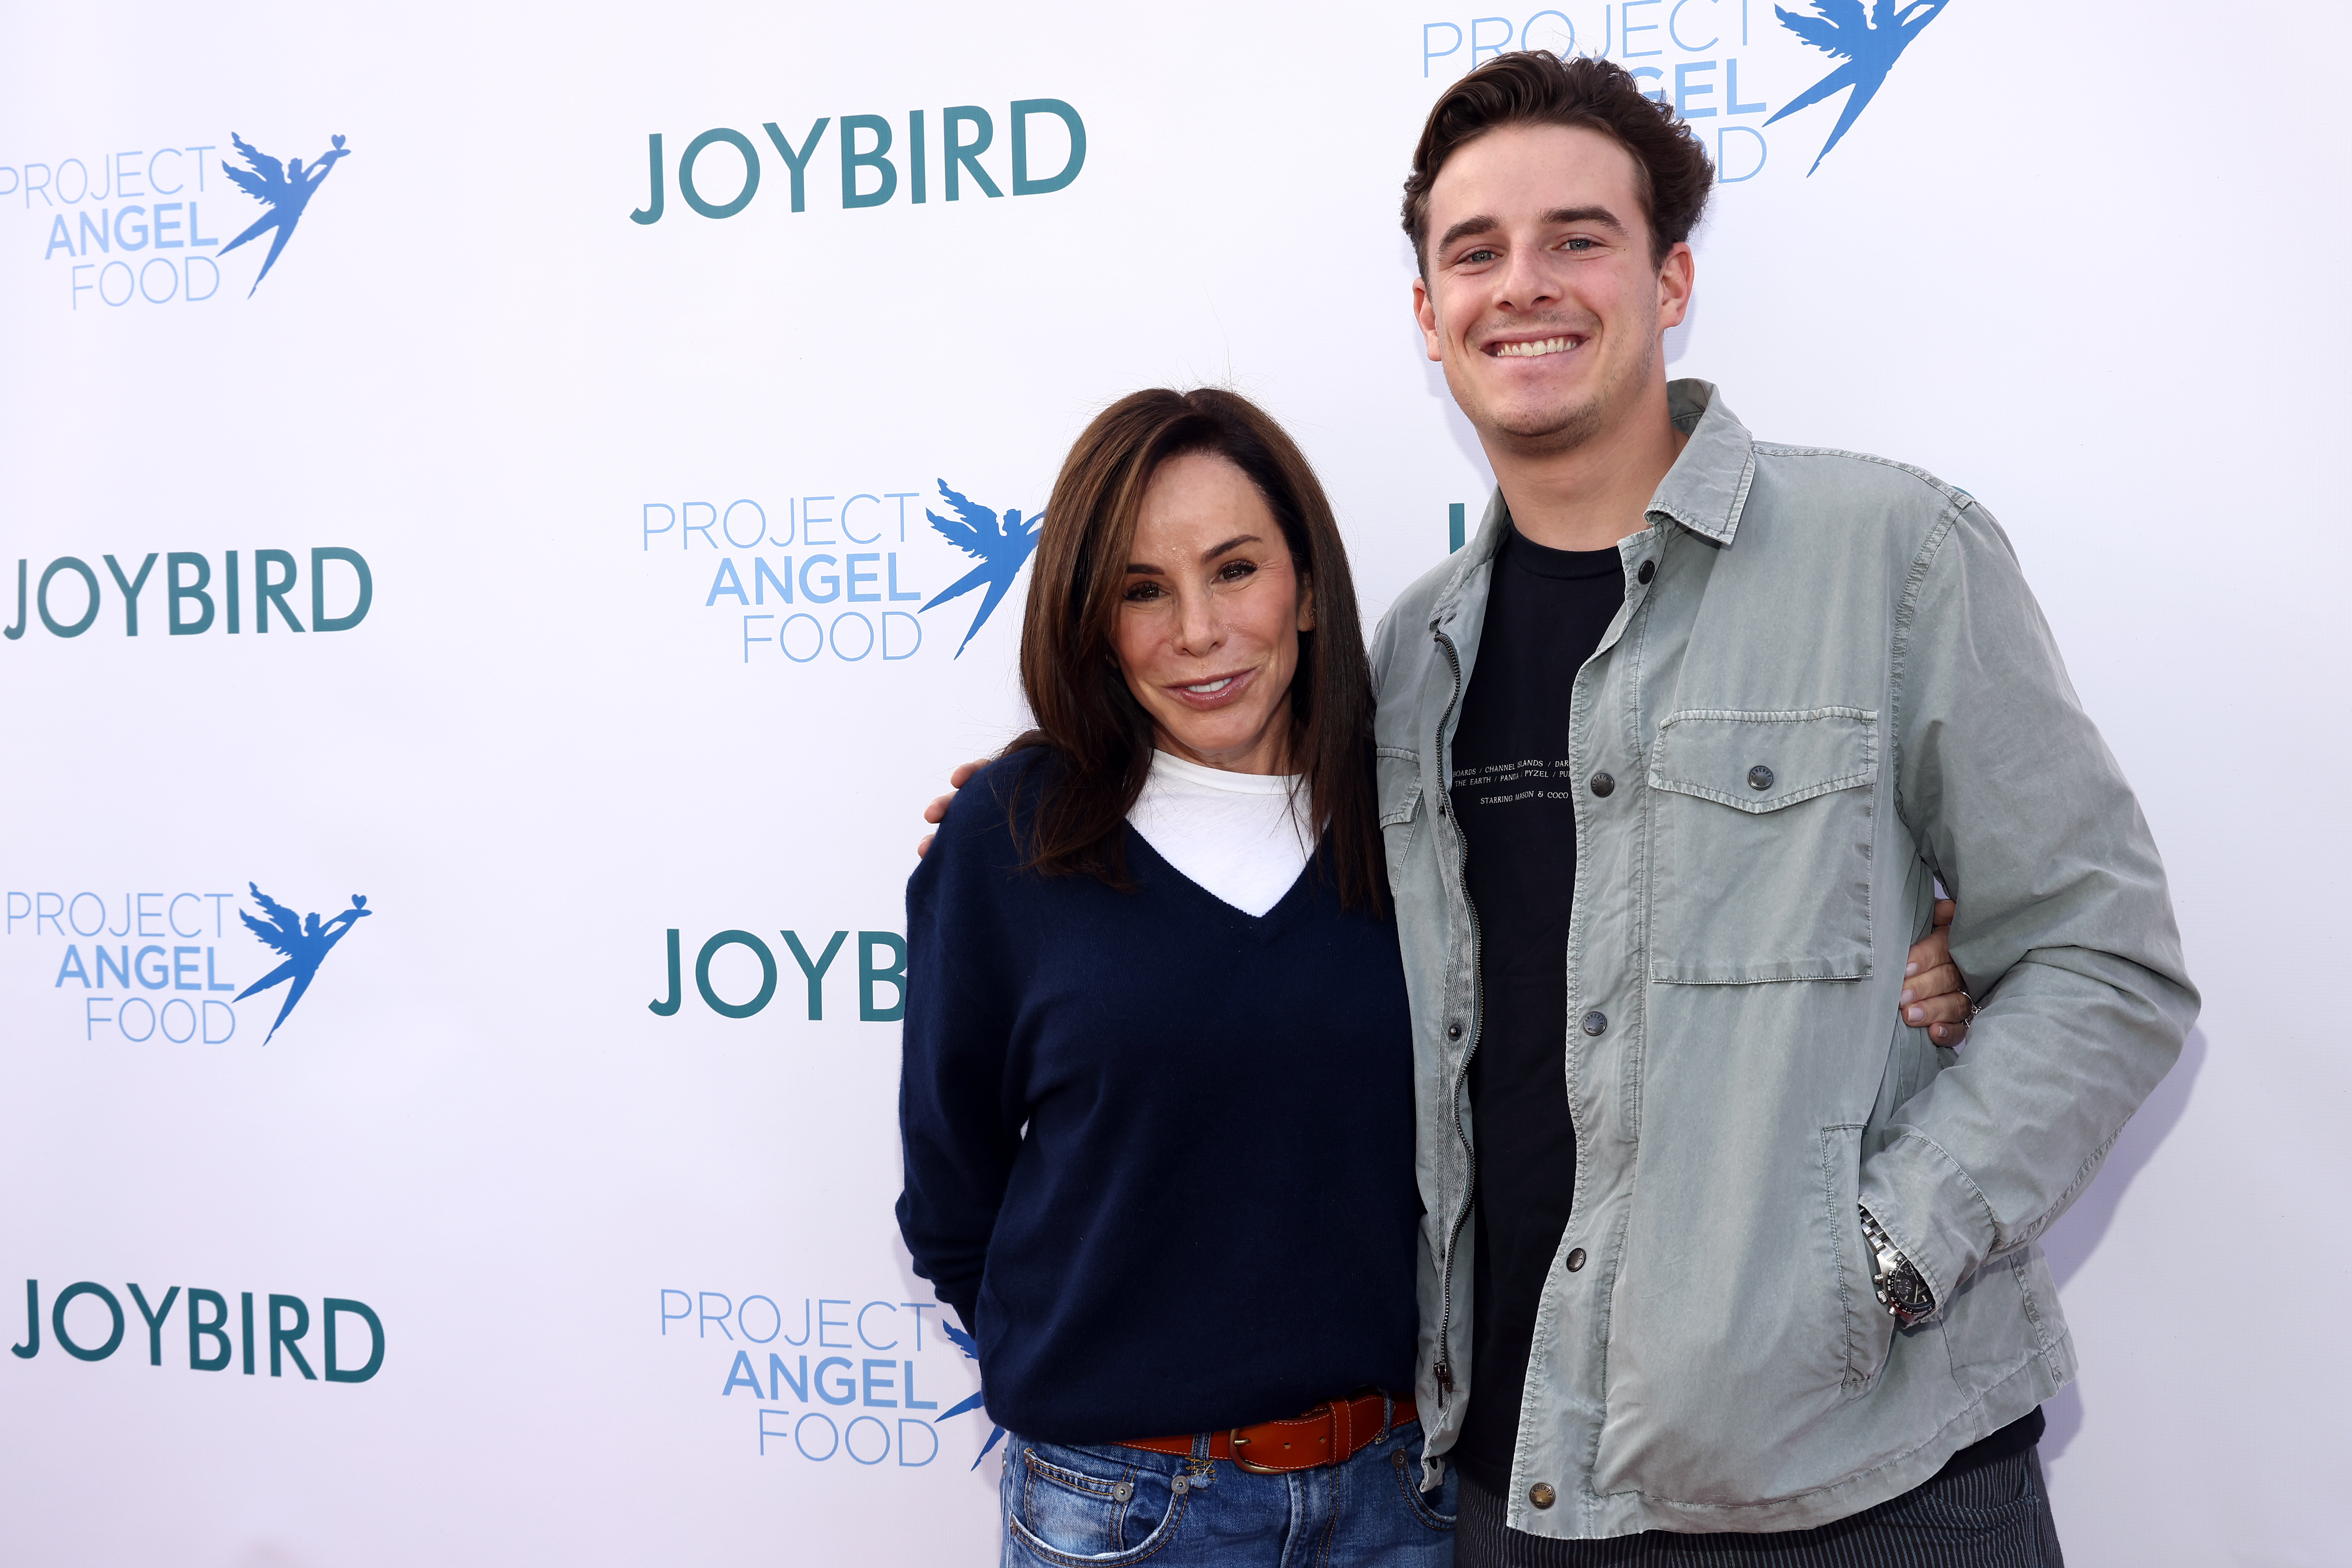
509, 513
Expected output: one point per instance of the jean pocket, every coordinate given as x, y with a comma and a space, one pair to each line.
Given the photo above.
1078, 1508
1763, 825
1433, 1509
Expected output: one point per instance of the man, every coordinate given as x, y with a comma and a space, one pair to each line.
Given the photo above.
1671, 756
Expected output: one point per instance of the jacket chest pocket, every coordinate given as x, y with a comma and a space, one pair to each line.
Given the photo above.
1398, 780
1763, 841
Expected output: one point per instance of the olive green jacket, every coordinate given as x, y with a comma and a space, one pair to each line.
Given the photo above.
1827, 688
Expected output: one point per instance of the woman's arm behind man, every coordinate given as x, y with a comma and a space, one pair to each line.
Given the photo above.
1935, 994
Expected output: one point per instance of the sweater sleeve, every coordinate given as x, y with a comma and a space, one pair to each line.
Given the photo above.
959, 1110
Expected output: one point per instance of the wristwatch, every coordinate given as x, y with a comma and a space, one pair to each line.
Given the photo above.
1900, 1289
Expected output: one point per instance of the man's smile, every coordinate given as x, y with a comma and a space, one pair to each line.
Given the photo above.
1532, 348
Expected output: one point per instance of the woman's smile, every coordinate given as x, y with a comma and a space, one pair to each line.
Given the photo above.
1217, 691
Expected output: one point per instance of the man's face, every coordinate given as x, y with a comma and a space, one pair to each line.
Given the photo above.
1541, 299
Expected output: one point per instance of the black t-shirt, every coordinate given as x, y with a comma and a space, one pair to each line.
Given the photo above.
1514, 802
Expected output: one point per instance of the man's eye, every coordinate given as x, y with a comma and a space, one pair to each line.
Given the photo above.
1478, 258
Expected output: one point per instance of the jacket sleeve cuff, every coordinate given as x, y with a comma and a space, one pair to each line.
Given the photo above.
1931, 1210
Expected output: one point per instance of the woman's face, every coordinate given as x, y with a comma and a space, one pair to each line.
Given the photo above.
1207, 634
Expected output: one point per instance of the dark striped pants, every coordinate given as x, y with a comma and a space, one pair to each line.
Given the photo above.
1996, 1515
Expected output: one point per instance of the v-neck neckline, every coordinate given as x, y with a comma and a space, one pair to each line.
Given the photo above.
1285, 908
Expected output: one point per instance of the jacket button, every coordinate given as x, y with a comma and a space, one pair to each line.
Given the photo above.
1575, 1258
1649, 570
1603, 785
1542, 1495
1759, 778
1596, 1023
1454, 1032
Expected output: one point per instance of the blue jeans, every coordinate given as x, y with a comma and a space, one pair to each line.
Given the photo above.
1107, 1507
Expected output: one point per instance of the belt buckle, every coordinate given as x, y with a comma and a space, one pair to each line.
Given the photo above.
1238, 1443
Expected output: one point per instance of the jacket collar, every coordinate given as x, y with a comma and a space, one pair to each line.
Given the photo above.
1705, 491
1706, 488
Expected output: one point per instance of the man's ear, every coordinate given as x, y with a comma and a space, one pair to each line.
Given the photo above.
1676, 278
1424, 311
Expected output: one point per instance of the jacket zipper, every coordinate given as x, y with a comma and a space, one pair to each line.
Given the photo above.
1444, 1368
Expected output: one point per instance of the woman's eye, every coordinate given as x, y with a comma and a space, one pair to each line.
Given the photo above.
1235, 571
1143, 593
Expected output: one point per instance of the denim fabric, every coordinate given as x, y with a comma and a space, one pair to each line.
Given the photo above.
1828, 687
1107, 1507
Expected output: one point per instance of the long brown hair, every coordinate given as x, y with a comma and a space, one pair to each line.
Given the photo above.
1086, 717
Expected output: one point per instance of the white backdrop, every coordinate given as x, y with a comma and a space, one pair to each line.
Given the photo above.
2078, 259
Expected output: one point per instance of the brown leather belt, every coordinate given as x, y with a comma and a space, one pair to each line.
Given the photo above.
1330, 1434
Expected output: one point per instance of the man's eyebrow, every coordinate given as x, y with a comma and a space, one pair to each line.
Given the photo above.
1600, 215
1482, 224
1148, 570
1487, 223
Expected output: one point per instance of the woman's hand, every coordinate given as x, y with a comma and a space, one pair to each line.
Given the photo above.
936, 812
1934, 995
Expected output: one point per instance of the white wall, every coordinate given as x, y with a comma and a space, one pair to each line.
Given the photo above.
2079, 260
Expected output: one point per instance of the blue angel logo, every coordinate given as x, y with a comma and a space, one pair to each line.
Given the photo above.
963, 1343
1002, 548
1868, 45
305, 942
285, 189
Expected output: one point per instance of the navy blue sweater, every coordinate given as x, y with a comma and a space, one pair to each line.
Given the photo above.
1159, 1151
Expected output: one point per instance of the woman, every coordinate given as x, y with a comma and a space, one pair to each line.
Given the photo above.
1157, 1098
1157, 1107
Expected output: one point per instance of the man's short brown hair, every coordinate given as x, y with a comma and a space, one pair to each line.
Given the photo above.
1535, 86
